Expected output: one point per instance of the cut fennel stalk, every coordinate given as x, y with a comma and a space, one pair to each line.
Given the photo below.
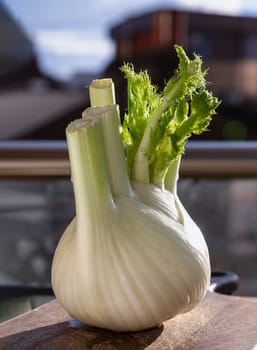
133, 258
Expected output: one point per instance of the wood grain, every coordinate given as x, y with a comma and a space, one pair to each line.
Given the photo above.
219, 322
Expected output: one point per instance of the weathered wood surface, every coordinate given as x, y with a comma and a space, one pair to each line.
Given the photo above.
219, 322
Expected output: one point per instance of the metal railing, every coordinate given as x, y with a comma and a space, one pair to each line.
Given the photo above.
33, 159
49, 159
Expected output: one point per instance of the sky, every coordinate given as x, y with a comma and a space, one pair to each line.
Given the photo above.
72, 36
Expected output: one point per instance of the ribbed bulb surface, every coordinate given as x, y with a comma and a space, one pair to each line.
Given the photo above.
134, 268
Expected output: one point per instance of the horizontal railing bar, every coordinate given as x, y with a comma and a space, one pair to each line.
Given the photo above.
48, 159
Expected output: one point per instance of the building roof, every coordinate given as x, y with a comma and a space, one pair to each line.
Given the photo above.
142, 22
24, 111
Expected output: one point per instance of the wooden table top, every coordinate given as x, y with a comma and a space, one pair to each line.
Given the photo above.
219, 322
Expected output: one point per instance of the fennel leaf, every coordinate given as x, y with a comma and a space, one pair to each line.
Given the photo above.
158, 124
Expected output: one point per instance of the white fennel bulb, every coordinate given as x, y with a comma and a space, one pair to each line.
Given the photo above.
132, 257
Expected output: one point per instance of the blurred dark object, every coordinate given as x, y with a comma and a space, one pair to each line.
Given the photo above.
14, 291
224, 282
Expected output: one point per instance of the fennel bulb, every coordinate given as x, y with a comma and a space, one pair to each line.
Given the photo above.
133, 258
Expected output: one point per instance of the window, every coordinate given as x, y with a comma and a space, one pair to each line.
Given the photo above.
200, 42
250, 47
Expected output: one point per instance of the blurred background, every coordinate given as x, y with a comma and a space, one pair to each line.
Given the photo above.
49, 53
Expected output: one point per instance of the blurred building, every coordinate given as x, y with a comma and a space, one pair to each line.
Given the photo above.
227, 44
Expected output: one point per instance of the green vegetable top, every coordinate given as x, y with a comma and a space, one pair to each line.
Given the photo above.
157, 124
